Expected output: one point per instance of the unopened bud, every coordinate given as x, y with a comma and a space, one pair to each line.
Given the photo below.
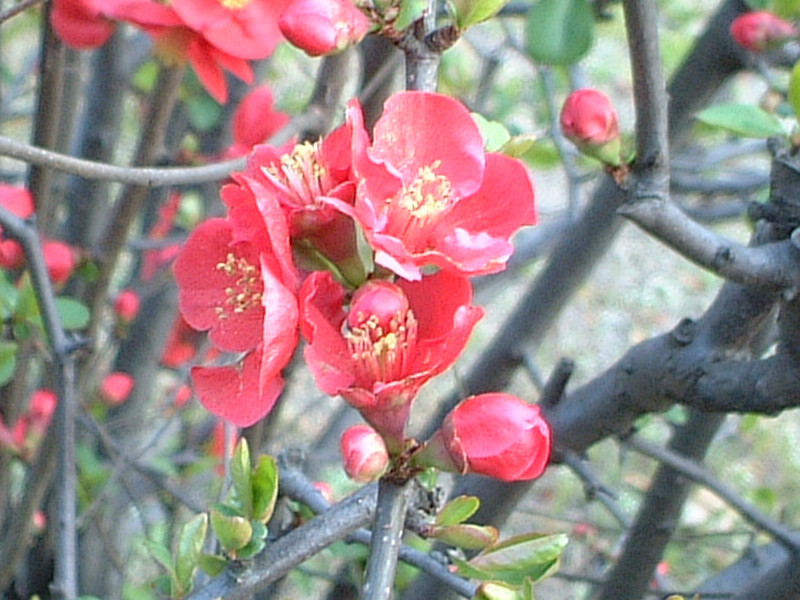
364, 453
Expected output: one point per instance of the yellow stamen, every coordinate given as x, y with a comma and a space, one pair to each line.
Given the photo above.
234, 4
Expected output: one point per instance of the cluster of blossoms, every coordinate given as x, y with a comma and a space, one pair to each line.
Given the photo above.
25, 435
215, 35
364, 247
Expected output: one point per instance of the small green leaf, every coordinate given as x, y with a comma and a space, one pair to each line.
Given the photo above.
457, 511
495, 134
794, 89
233, 532
211, 564
410, 11
466, 535
560, 32
203, 111
746, 120
512, 561
518, 146
492, 590
8, 297
8, 361
162, 556
74, 314
190, 547
472, 12
265, 488
256, 543
241, 473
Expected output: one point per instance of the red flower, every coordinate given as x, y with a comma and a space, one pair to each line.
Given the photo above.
82, 24
116, 388
310, 183
498, 435
59, 259
255, 121
428, 192
761, 30
323, 26
237, 280
242, 28
19, 202
126, 305
364, 453
391, 341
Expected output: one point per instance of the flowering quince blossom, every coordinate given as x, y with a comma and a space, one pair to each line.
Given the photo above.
83, 24
255, 121
761, 30
588, 120
59, 258
494, 434
310, 182
237, 280
380, 347
116, 388
428, 192
18, 201
323, 26
364, 453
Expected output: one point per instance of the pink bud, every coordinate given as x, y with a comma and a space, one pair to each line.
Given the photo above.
42, 406
126, 305
589, 118
325, 489
760, 31
323, 26
364, 453
498, 435
182, 395
39, 521
116, 388
377, 303
59, 259
11, 255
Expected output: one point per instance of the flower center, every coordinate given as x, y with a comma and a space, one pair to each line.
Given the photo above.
382, 351
301, 174
234, 4
420, 206
245, 292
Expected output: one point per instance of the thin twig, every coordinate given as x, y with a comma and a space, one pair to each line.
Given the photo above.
17, 8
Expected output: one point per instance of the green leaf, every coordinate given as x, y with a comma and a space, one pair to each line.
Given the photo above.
241, 473
256, 543
457, 511
410, 11
794, 89
560, 32
746, 120
518, 146
492, 590
212, 564
203, 111
472, 12
233, 532
512, 561
466, 535
162, 556
8, 297
190, 547
265, 488
495, 134
74, 314
8, 361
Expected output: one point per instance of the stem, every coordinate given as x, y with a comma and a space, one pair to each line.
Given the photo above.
390, 517
422, 61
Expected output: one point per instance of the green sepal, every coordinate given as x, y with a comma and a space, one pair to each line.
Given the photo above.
212, 564
472, 12
190, 547
241, 473
233, 532
532, 555
466, 535
457, 511
265, 488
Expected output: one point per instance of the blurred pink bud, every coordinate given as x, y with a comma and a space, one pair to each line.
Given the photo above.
18, 201
497, 435
325, 489
126, 305
116, 388
42, 406
323, 26
760, 31
11, 255
364, 453
39, 520
59, 259
182, 395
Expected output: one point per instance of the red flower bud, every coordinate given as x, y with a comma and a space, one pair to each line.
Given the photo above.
126, 305
498, 435
760, 31
42, 406
116, 388
323, 26
364, 453
589, 118
11, 255
59, 259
